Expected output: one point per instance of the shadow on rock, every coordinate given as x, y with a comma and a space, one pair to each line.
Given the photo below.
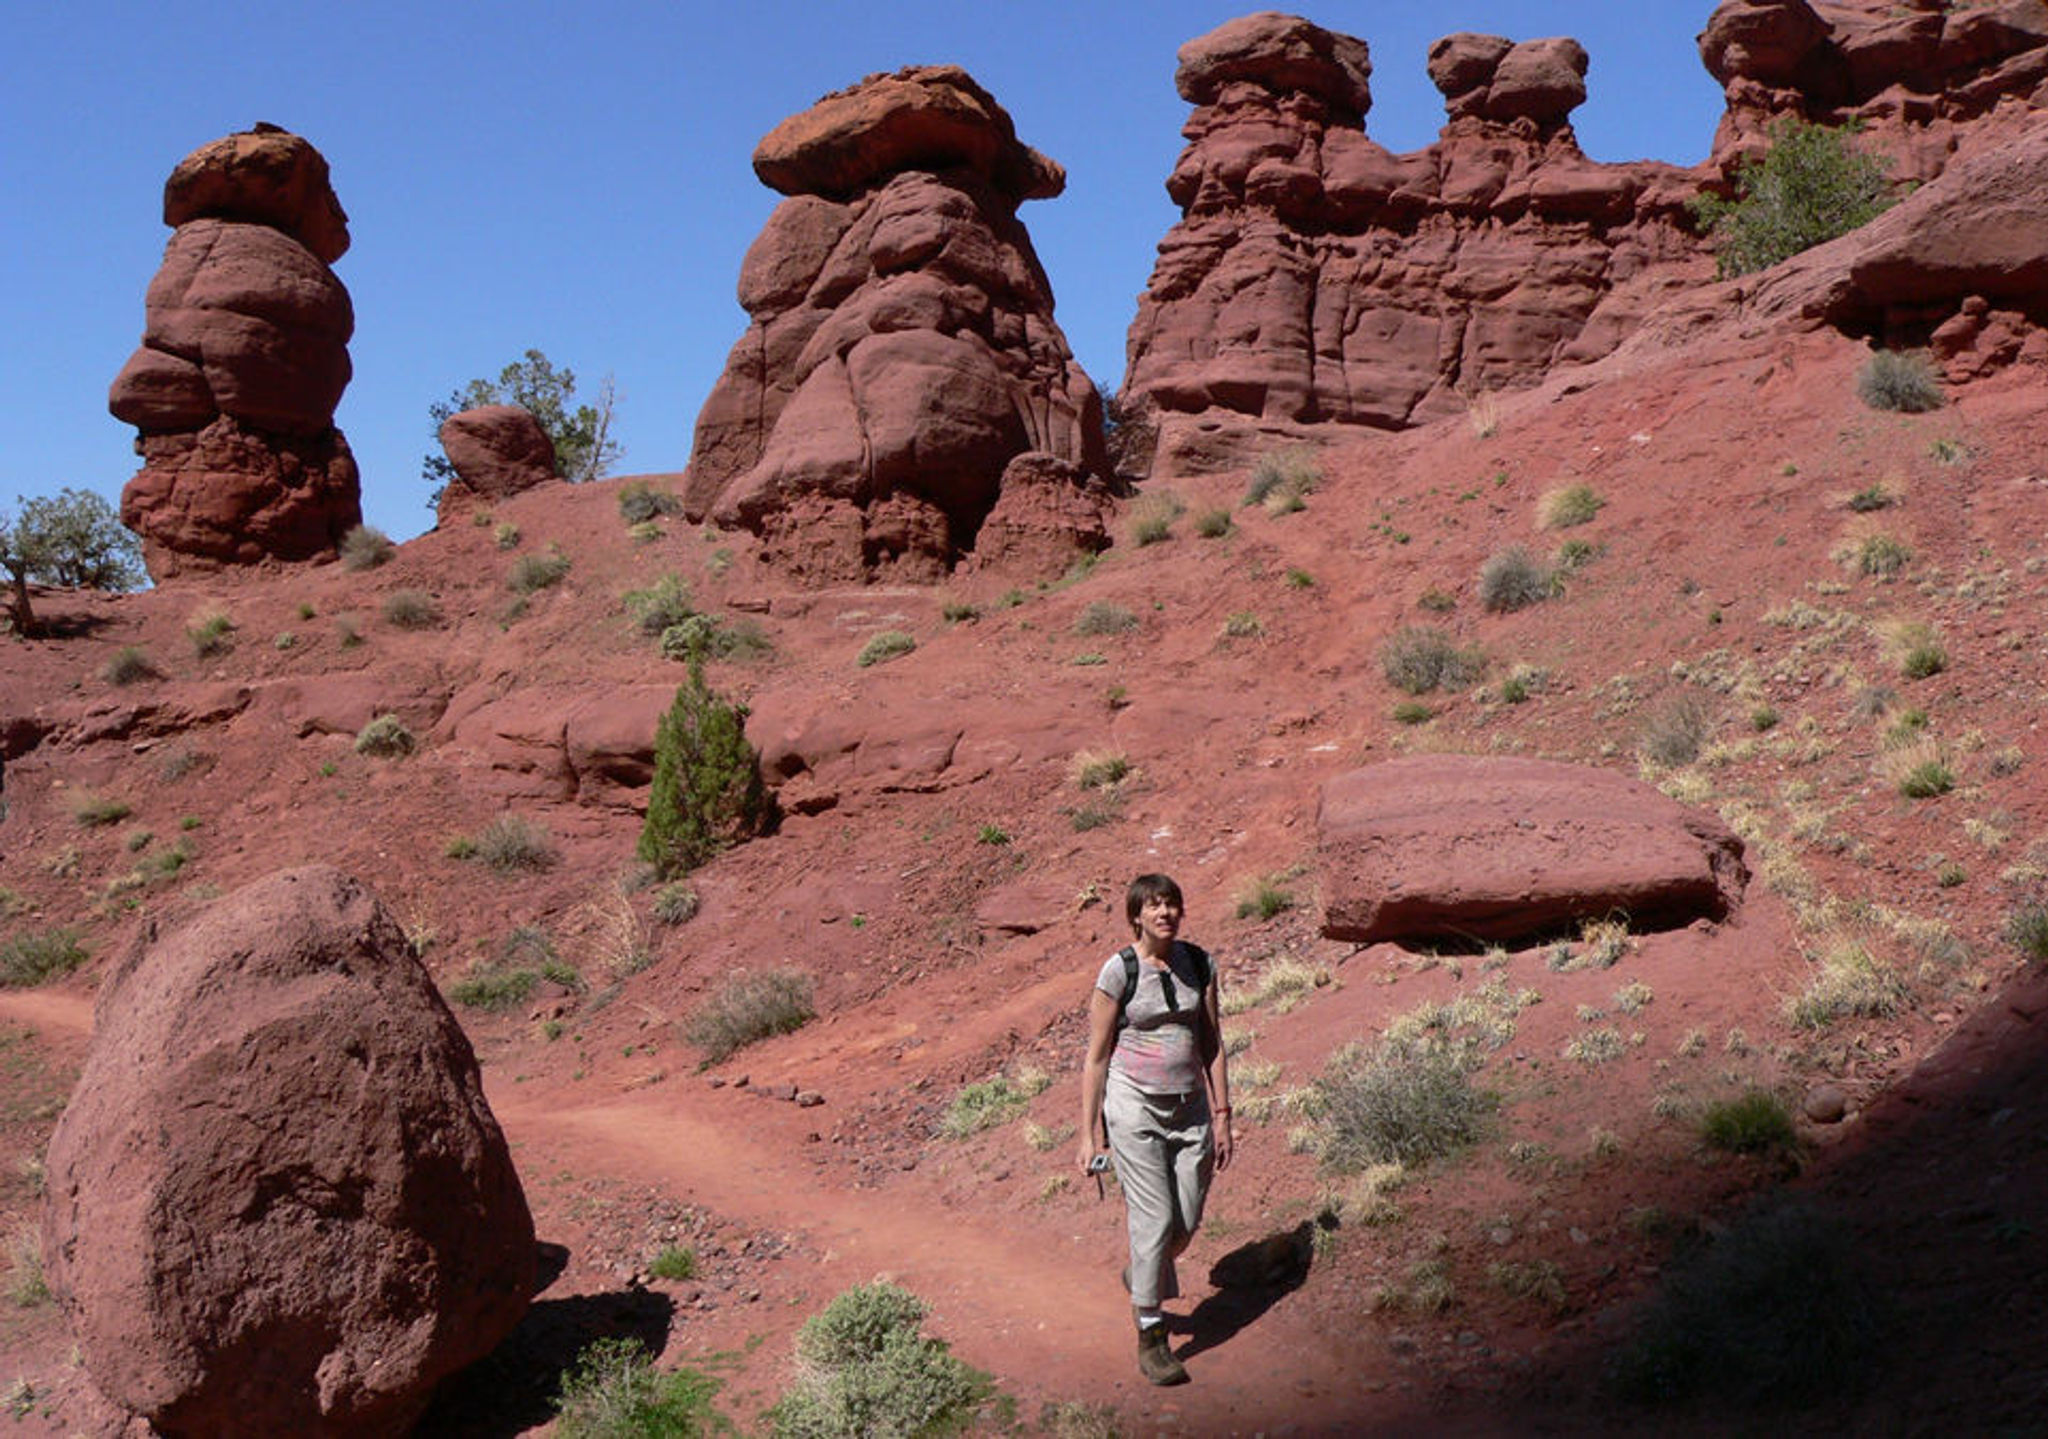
1249, 1280
514, 1388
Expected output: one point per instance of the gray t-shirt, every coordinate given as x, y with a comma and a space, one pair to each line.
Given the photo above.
1160, 1047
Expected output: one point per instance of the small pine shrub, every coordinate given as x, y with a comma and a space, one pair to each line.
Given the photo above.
660, 606
707, 793
1809, 187
30, 959
411, 610
615, 1392
750, 1008
1755, 1123
1419, 658
640, 502
385, 737
1514, 579
365, 547
1104, 618
885, 646
128, 665
532, 573
211, 632
1904, 383
1569, 506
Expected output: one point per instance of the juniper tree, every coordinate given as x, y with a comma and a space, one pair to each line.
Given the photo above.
707, 793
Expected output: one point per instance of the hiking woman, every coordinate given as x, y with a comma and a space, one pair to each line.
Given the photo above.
1155, 1093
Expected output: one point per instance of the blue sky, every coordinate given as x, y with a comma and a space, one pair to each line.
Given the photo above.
577, 179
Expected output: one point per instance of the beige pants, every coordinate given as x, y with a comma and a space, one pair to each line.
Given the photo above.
1163, 1163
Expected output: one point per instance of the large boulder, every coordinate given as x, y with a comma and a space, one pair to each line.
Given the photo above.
1316, 276
244, 358
1436, 847
278, 1203
496, 451
902, 348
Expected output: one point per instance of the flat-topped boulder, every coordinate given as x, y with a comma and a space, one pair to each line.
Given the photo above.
1434, 847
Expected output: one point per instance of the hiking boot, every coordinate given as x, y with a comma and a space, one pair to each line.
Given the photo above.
1155, 1357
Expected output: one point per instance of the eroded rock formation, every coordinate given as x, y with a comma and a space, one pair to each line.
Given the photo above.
1457, 846
244, 357
278, 1203
496, 451
902, 348
1317, 276
1924, 78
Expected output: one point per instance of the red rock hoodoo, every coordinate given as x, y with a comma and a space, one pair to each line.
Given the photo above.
244, 357
1925, 80
902, 349
1316, 276
278, 1203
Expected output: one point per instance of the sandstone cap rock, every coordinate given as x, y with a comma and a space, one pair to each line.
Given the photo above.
264, 176
1280, 52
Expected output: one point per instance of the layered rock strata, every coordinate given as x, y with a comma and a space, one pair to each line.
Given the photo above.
1317, 276
902, 348
244, 357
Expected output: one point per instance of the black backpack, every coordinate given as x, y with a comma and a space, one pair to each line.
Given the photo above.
1129, 955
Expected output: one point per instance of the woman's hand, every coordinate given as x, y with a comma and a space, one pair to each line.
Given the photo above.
1221, 1141
1084, 1155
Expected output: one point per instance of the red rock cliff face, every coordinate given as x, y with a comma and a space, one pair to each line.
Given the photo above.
1316, 276
1926, 79
244, 356
902, 348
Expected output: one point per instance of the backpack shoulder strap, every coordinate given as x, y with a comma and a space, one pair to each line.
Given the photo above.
1129, 955
1205, 973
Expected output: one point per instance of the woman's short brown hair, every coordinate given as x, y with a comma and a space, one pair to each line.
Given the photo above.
1148, 887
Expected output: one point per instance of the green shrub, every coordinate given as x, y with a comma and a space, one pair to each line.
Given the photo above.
707, 793
955, 612
97, 810
1213, 524
510, 845
1104, 618
1808, 188
365, 547
1876, 554
1394, 1105
1419, 658
993, 834
664, 604
982, 1106
2026, 929
1412, 712
1298, 579
615, 1392
675, 903
126, 666
1571, 505
885, 646
1264, 898
1898, 381
865, 1369
211, 632
31, 959
1771, 1313
385, 737
532, 573
640, 502
1100, 769
1927, 779
411, 610
1755, 1123
1514, 579
700, 637
748, 1008
674, 1262
494, 987
1571, 557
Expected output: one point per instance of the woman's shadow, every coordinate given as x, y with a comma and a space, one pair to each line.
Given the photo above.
1249, 1280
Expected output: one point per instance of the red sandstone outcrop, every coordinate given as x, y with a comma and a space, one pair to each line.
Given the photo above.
497, 451
902, 349
1317, 276
278, 1203
1926, 79
244, 357
1436, 846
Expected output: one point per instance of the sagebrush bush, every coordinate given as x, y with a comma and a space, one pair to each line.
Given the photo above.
411, 610
1774, 1311
2026, 929
535, 572
613, 1391
662, 605
1103, 618
707, 793
748, 1008
865, 1369
1898, 381
32, 958
127, 665
385, 737
1419, 658
1514, 579
365, 547
885, 646
640, 502
512, 845
1809, 187
1390, 1105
